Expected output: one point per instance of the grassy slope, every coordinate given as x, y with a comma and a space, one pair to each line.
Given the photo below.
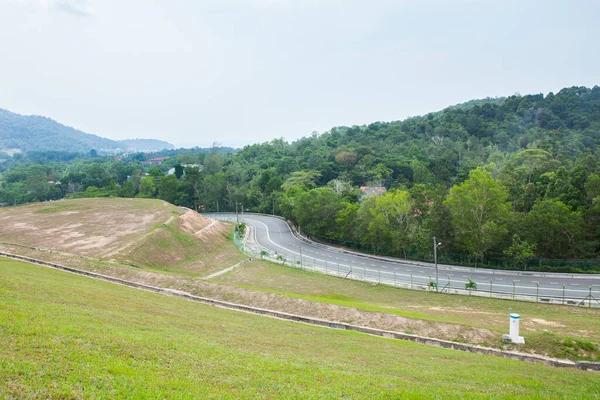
67, 336
166, 248
547, 328
170, 250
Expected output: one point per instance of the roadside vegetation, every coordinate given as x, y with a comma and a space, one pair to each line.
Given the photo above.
66, 336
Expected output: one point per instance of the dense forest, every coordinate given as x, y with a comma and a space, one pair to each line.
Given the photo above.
511, 182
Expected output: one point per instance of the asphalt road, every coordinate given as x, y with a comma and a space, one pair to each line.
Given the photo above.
275, 235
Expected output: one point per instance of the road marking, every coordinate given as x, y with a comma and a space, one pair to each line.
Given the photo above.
386, 267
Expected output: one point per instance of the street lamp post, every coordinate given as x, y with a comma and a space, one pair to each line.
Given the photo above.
435, 246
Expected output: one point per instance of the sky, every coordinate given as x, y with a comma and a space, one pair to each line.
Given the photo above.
238, 72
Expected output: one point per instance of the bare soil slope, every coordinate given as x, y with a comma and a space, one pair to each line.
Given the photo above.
145, 232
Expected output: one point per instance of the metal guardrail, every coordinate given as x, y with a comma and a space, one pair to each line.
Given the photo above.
589, 297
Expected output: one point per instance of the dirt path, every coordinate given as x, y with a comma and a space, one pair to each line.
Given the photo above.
137, 241
199, 233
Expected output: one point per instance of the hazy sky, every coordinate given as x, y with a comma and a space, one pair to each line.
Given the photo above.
246, 71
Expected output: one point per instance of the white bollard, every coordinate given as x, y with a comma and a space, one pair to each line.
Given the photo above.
514, 329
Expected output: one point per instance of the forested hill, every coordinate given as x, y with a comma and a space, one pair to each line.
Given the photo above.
36, 133
508, 179
528, 163
443, 147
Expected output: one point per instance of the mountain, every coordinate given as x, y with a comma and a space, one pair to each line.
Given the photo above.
37, 133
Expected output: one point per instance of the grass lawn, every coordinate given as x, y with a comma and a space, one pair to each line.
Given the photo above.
560, 331
66, 336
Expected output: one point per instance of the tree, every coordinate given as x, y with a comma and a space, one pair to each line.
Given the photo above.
167, 188
533, 160
521, 250
479, 211
303, 179
553, 228
147, 188
128, 189
471, 285
346, 221
387, 222
178, 171
316, 211
95, 175
193, 180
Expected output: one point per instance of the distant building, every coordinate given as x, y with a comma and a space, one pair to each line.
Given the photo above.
154, 161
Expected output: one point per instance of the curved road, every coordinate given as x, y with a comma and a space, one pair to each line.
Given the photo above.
275, 235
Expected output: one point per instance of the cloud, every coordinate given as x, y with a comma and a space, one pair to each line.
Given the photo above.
80, 8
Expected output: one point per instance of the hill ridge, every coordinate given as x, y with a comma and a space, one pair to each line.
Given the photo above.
41, 133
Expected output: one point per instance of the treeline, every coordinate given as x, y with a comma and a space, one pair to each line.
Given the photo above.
501, 180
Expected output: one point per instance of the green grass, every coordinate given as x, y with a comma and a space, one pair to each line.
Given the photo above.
171, 251
66, 336
537, 320
63, 206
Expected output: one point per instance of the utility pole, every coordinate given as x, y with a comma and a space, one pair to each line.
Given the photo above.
437, 281
237, 216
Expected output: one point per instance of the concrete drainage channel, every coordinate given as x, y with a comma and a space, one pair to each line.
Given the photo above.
588, 366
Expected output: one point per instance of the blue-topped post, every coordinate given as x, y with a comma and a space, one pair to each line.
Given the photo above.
514, 329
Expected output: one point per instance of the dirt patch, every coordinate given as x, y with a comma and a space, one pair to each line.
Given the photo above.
192, 222
452, 310
208, 231
543, 322
89, 227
